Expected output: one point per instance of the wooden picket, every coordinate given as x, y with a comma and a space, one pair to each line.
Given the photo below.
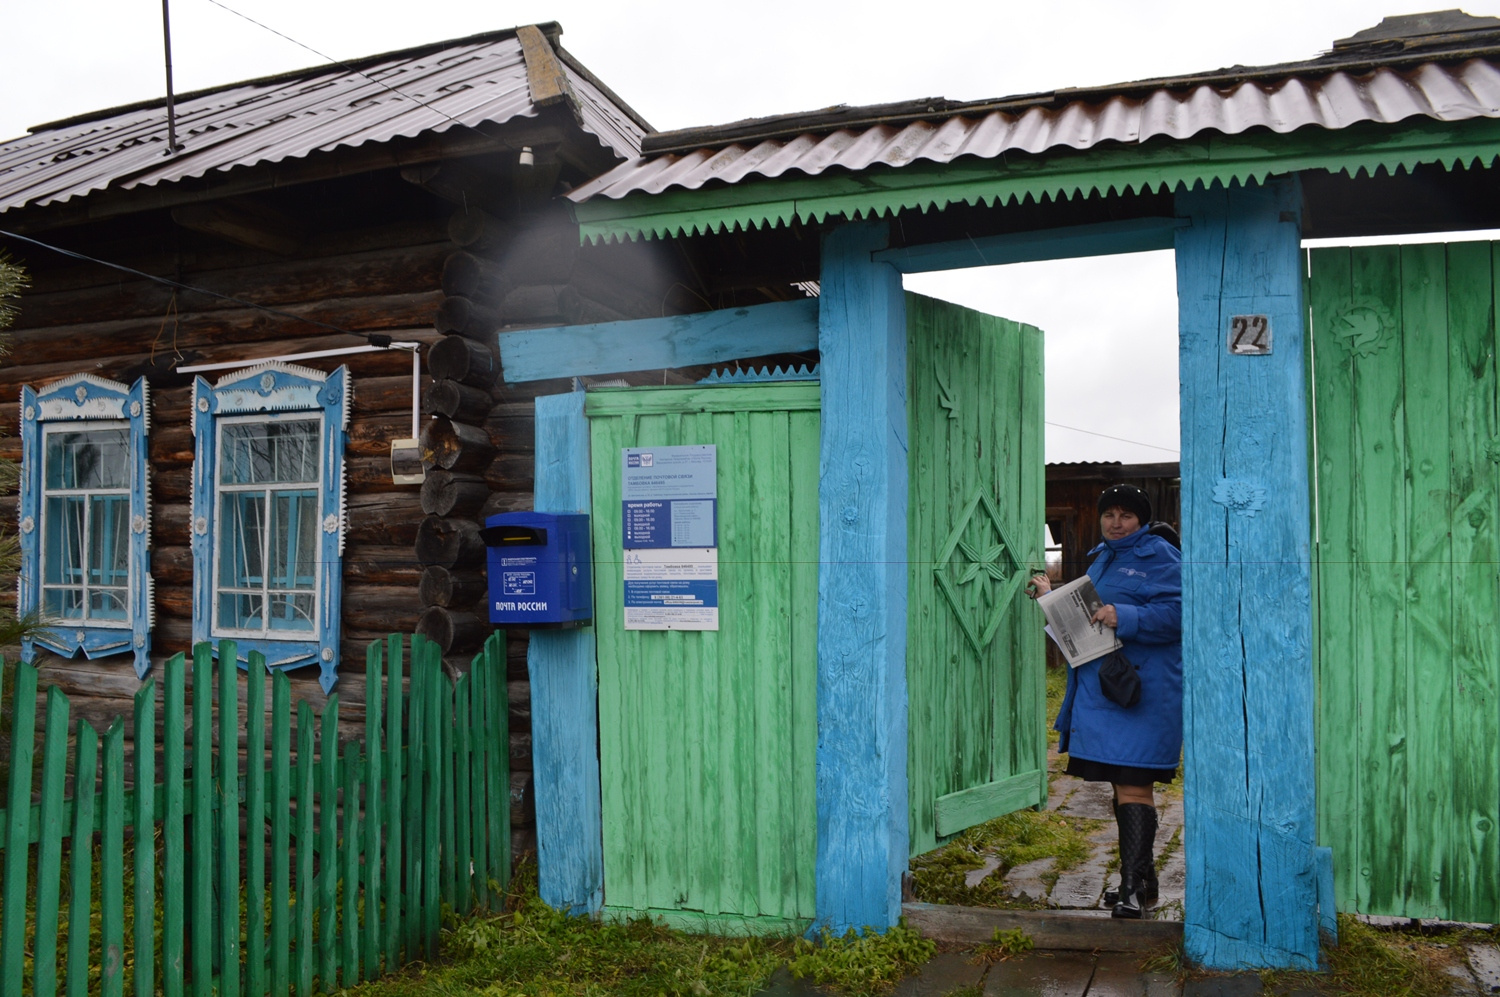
368, 840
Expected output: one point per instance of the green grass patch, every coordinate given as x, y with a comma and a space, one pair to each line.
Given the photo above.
1057, 687
535, 951
862, 965
1013, 840
1379, 962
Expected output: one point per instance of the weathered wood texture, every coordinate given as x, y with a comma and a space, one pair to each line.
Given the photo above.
974, 658
1253, 866
1408, 657
862, 702
412, 817
563, 669
707, 739
384, 280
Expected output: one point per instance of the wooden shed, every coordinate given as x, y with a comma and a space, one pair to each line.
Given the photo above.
1336, 631
315, 273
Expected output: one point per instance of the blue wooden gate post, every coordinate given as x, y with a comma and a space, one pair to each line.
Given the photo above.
564, 690
862, 805
1253, 870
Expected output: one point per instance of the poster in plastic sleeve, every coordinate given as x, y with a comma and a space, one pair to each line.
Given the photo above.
669, 529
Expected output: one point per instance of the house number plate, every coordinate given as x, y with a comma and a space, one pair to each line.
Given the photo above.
1250, 335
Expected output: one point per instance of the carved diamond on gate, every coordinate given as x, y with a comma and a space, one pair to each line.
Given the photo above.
978, 572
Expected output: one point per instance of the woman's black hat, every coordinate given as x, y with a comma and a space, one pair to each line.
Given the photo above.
1127, 497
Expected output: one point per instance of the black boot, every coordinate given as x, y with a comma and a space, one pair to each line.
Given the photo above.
1149, 888
1137, 823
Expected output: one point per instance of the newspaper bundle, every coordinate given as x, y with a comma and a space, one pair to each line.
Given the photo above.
1069, 609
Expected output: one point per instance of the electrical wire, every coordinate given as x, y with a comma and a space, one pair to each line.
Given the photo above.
1118, 439
374, 338
336, 62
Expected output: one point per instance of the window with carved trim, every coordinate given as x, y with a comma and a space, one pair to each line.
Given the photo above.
85, 518
268, 519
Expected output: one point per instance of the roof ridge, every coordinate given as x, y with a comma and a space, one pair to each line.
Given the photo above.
551, 29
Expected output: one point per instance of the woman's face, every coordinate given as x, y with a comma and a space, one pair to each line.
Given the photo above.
1117, 523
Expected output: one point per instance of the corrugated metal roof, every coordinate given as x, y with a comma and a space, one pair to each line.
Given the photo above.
1440, 66
1445, 93
467, 82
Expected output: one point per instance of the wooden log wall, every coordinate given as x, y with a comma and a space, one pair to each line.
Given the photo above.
85, 318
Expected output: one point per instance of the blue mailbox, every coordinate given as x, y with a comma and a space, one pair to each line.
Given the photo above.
539, 568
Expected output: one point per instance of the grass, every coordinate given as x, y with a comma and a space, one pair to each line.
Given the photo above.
535, 951
1013, 840
1380, 962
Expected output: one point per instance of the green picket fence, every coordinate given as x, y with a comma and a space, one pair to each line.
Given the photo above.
366, 840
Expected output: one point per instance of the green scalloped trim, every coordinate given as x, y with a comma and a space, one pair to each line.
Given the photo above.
1158, 165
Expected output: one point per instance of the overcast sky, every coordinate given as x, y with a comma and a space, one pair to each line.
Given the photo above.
1110, 323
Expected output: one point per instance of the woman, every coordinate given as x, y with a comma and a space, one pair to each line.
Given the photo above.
1139, 578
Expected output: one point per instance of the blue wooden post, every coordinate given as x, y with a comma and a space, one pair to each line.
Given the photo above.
564, 691
1253, 868
862, 805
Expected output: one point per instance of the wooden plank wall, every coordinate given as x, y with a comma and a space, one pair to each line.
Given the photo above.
708, 739
976, 714
1409, 661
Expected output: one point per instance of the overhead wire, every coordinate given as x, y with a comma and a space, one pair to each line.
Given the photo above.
336, 62
374, 338
1118, 439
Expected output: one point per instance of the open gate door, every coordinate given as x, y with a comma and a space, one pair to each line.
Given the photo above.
977, 745
1408, 654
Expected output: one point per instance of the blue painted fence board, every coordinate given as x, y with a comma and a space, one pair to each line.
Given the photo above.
564, 690
1253, 871
862, 792
655, 343
1134, 235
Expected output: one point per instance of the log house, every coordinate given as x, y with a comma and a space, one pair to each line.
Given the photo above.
338, 212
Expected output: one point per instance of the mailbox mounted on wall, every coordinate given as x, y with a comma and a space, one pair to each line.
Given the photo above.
540, 574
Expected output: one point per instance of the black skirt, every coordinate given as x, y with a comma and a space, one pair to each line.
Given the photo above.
1120, 775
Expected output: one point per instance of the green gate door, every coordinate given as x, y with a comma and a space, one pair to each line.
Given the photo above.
977, 747
1408, 646
708, 740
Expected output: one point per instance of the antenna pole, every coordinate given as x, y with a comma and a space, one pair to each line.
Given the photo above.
166, 37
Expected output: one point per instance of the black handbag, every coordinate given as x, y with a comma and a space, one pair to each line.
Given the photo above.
1119, 681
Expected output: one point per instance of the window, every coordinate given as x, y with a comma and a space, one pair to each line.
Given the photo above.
268, 521
85, 521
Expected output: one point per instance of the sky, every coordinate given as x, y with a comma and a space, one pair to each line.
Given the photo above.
1110, 323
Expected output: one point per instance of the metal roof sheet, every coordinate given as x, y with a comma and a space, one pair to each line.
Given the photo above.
1336, 100
467, 82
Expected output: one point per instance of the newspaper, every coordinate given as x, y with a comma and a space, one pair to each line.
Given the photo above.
1068, 609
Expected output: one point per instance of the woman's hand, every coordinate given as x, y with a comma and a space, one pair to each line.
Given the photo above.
1107, 616
1039, 585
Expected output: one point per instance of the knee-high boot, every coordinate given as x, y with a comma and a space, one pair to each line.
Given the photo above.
1149, 888
1137, 823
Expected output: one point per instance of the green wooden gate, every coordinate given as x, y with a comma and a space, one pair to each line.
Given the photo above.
708, 740
976, 744
1408, 646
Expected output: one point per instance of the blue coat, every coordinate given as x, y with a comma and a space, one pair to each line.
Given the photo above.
1141, 575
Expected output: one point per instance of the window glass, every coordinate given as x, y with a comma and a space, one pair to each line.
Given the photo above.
268, 525
86, 525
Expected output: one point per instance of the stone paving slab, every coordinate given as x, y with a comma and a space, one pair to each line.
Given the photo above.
1025, 880
1041, 974
1094, 800
974, 877
1484, 961
1238, 985
947, 972
1118, 974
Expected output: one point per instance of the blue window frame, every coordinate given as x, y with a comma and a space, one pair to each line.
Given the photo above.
268, 513
86, 519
